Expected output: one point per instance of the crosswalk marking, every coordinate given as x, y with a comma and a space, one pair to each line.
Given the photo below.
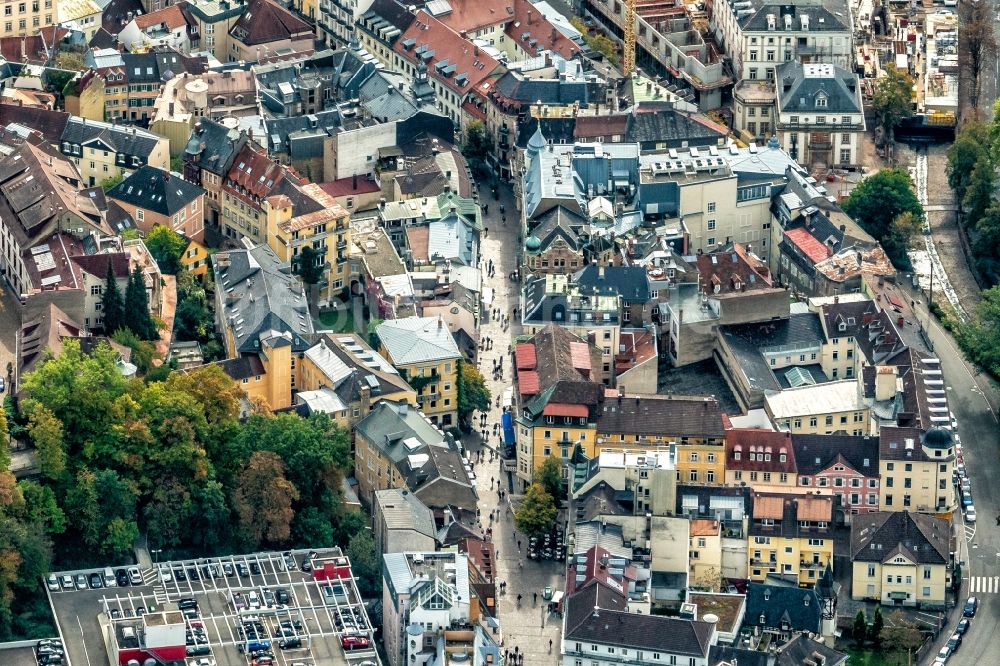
149, 576
984, 584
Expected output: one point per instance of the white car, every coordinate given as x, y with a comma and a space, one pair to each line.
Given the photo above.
970, 514
165, 575
52, 582
134, 576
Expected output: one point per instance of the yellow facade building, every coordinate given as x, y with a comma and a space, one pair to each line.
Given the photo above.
915, 470
327, 230
426, 355
901, 559
790, 536
821, 409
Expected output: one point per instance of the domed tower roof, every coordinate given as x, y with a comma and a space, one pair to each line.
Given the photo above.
537, 142
937, 438
532, 244
194, 145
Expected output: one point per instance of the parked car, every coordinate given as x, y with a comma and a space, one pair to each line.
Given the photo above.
354, 642
970, 514
289, 560
96, 581
227, 568
255, 568
290, 643
971, 606
165, 575
954, 642
966, 498
52, 582
242, 569
122, 577
81, 582
67, 582
134, 576
963, 626
198, 650
942, 656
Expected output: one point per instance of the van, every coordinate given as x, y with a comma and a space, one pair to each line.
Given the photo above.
109, 578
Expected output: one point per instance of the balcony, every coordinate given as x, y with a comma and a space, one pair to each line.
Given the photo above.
820, 145
342, 245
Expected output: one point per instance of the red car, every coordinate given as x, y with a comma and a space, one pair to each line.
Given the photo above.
353, 642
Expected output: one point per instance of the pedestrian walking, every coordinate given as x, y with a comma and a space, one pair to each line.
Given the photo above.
550, 646
519, 544
535, 599
518, 603
520, 564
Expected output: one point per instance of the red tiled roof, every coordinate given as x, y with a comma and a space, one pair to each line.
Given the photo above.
557, 409
760, 450
428, 34
348, 186
474, 111
265, 21
472, 15
524, 355
529, 24
579, 355
527, 382
171, 16
248, 167
813, 248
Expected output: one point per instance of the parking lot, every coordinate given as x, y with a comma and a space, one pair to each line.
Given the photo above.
233, 607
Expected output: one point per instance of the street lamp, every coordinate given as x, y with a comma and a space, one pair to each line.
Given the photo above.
156, 554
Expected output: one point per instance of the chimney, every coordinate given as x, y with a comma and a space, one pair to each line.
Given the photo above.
529, 17
885, 382
365, 399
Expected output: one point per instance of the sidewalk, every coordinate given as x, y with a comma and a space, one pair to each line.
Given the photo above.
528, 627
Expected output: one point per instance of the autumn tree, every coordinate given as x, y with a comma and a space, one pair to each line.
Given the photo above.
212, 388
901, 635
549, 474
977, 42
537, 512
264, 498
892, 100
167, 247
46, 434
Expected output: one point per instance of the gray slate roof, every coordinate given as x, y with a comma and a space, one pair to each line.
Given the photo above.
800, 85
803, 650
390, 424
881, 536
777, 605
610, 623
129, 141
261, 295
417, 340
828, 15
402, 509
156, 190
747, 340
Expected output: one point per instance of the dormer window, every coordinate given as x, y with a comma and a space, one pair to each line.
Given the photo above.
820, 101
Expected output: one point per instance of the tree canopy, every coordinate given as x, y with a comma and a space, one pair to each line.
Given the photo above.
549, 474
136, 316
892, 100
167, 247
112, 304
537, 512
473, 394
877, 204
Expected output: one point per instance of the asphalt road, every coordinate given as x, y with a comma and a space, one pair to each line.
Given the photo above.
980, 547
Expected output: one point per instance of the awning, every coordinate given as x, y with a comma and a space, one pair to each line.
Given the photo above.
557, 409
898, 595
556, 597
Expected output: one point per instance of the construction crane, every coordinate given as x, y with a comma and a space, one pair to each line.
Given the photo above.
628, 50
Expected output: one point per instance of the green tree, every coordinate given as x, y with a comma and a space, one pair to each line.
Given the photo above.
549, 474
473, 394
46, 432
892, 100
478, 145
309, 265
167, 247
878, 201
971, 143
82, 391
349, 523
980, 337
860, 629
900, 237
537, 512
373, 339
4, 436
41, 507
112, 305
70, 60
312, 529
111, 183
263, 500
901, 635
365, 564
144, 353
979, 191
875, 631
986, 246
136, 316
